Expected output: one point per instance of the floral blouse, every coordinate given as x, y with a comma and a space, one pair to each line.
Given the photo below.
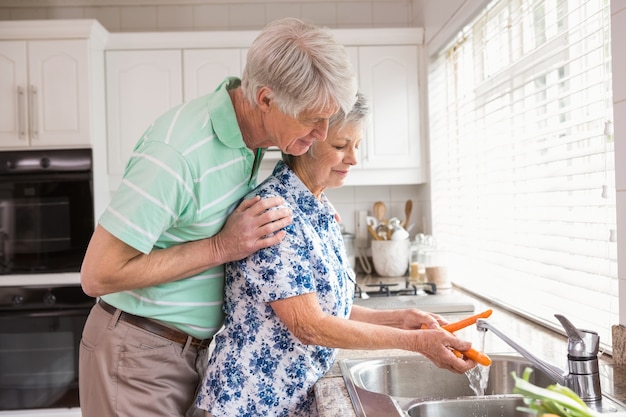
258, 366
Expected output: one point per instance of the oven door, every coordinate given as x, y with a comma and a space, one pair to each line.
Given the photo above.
46, 211
40, 331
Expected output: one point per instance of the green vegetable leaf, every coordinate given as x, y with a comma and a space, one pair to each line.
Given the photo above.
554, 399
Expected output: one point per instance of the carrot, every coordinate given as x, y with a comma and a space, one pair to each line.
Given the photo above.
468, 321
479, 357
473, 354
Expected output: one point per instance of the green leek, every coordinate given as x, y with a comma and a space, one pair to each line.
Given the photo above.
554, 399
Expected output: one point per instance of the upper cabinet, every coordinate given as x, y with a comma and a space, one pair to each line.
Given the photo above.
390, 152
143, 84
147, 74
140, 86
46, 88
205, 69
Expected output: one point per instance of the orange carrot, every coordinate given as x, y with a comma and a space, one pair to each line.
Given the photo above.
479, 357
472, 353
468, 321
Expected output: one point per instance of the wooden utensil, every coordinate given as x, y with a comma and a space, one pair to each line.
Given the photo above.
408, 207
372, 232
379, 211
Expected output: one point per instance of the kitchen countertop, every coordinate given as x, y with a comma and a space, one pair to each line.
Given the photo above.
333, 399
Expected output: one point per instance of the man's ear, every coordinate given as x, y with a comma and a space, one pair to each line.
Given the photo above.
263, 98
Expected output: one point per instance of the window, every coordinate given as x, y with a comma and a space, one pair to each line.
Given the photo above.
522, 165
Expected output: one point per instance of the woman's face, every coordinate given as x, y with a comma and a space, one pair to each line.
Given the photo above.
328, 163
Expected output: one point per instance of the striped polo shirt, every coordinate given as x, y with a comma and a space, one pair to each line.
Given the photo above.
187, 173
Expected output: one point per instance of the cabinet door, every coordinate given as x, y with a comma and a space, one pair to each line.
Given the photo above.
205, 69
141, 85
388, 75
58, 93
13, 87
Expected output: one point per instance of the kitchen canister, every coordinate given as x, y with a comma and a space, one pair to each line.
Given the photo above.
436, 268
390, 257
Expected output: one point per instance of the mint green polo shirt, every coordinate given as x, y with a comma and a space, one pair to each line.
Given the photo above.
187, 173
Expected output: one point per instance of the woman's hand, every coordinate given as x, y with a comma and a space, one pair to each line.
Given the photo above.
413, 318
437, 345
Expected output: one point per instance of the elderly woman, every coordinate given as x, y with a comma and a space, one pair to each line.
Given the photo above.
289, 306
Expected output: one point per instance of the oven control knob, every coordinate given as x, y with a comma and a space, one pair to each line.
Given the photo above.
49, 298
17, 299
44, 162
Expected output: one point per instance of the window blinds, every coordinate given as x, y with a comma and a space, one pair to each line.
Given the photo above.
522, 165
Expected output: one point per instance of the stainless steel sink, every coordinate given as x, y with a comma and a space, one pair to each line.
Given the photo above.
484, 407
413, 386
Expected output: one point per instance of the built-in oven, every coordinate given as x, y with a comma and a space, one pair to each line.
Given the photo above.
46, 221
40, 331
46, 210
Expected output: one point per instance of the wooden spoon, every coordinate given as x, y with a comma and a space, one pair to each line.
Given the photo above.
379, 211
408, 207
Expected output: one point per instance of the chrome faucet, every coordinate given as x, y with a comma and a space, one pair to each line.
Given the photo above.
582, 356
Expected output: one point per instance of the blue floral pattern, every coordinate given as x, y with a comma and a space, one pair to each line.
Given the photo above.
258, 366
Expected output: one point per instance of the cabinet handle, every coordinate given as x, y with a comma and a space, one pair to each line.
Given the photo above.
34, 122
21, 111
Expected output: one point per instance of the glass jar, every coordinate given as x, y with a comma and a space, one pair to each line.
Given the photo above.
414, 262
437, 269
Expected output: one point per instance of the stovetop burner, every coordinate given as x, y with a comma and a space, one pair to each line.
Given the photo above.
391, 290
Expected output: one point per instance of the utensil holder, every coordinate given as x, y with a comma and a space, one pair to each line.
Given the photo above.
390, 257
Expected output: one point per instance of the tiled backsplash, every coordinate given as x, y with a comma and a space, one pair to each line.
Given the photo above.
348, 200
217, 15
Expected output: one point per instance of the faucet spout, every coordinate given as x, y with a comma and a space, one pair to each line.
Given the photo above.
583, 376
554, 372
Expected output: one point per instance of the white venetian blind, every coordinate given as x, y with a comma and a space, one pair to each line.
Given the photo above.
522, 164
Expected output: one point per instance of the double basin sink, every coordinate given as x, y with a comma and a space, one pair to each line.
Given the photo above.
413, 386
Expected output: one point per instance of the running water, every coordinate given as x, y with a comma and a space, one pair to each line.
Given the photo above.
479, 375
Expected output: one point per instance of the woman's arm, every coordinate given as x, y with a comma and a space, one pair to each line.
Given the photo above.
304, 317
402, 319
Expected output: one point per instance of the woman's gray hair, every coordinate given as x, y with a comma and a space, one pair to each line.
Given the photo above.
358, 115
304, 66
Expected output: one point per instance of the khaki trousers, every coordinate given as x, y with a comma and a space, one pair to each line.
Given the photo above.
125, 371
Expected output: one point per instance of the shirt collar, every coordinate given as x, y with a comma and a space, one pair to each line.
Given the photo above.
223, 117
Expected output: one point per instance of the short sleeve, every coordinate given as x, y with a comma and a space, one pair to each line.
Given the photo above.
157, 189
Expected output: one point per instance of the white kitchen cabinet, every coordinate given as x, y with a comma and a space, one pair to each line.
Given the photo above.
205, 69
387, 62
390, 152
44, 93
141, 85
